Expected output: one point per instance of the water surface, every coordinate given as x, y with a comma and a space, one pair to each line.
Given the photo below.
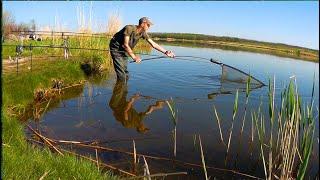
116, 113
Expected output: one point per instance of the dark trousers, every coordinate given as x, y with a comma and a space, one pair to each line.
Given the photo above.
120, 62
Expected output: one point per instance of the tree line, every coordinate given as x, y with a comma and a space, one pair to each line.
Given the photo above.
9, 25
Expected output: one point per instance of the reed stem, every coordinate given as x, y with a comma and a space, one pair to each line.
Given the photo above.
202, 159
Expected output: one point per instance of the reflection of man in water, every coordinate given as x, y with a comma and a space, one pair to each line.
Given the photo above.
123, 110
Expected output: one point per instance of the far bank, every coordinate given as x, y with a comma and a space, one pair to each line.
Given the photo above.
237, 44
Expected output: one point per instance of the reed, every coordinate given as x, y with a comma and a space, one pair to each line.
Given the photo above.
235, 109
134, 153
218, 120
246, 104
202, 159
174, 117
146, 168
194, 140
290, 156
97, 158
252, 129
175, 141
306, 144
173, 111
260, 138
114, 23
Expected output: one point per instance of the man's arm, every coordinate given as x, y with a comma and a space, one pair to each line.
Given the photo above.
129, 105
159, 48
129, 50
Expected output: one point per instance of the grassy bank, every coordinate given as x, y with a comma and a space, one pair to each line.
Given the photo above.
74, 41
20, 159
240, 44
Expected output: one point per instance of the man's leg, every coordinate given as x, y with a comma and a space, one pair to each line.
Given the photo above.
119, 64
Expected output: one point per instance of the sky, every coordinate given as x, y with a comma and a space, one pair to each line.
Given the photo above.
288, 22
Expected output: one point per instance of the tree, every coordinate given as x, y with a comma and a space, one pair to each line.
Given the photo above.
23, 27
33, 25
8, 23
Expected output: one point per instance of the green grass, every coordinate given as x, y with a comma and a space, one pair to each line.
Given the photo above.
20, 159
19, 89
74, 42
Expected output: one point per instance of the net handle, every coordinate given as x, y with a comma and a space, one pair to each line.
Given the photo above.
216, 62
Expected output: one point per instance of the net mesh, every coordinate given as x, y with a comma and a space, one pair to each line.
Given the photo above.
233, 75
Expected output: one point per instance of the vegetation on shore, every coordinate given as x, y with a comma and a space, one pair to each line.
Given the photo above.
20, 159
18, 92
239, 44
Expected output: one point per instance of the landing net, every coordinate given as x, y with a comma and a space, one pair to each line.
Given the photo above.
231, 74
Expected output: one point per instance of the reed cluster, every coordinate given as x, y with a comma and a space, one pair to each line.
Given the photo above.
293, 126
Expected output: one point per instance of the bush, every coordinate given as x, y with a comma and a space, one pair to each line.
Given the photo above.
91, 62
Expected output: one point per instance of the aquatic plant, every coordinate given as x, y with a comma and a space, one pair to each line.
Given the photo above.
174, 117
202, 159
218, 120
173, 111
146, 168
248, 90
295, 135
234, 112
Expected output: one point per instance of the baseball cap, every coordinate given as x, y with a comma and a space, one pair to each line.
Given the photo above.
145, 19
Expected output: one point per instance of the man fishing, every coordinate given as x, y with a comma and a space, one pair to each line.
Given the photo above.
124, 41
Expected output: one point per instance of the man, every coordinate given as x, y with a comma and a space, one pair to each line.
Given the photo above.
123, 42
124, 111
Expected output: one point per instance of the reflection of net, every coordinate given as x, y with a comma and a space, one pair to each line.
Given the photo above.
231, 74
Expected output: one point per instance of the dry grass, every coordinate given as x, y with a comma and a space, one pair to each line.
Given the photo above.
114, 23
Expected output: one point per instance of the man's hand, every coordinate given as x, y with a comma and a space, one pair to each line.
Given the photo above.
137, 59
169, 54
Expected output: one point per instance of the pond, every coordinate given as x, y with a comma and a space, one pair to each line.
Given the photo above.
114, 114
